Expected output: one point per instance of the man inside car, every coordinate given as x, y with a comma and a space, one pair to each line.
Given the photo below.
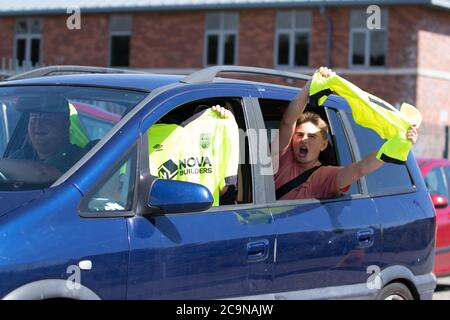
46, 152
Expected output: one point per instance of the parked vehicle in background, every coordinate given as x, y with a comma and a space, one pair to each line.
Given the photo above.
436, 173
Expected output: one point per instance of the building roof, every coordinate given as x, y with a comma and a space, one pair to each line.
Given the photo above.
33, 7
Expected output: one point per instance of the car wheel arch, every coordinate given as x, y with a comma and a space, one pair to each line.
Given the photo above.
409, 284
51, 289
400, 274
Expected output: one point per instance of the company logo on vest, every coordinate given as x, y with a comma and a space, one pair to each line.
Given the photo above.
168, 170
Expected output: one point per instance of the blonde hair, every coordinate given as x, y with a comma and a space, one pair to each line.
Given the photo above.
316, 120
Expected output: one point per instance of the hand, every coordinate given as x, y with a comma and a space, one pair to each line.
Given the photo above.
221, 111
325, 72
412, 134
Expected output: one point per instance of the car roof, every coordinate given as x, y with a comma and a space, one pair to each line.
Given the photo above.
150, 81
144, 82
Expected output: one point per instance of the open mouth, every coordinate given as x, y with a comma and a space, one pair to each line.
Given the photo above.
303, 151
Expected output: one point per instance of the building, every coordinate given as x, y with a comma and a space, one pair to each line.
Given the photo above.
406, 57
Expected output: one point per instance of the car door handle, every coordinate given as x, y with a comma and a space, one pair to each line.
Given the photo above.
365, 238
258, 250
85, 265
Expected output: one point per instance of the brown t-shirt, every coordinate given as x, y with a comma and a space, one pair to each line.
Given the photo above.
321, 184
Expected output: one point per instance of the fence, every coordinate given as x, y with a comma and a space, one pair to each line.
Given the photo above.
10, 67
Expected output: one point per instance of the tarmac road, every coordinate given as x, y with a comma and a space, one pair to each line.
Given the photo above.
443, 289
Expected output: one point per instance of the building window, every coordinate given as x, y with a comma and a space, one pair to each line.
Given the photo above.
221, 38
28, 37
119, 41
292, 38
367, 47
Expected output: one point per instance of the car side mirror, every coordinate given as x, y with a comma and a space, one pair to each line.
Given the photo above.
171, 196
439, 201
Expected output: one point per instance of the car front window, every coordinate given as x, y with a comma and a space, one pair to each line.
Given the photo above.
45, 130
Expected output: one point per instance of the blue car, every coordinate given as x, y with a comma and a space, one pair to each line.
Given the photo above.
100, 226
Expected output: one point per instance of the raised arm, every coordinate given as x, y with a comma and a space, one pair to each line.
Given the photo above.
289, 119
292, 113
368, 164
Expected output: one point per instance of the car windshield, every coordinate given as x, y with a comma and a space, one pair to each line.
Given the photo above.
45, 130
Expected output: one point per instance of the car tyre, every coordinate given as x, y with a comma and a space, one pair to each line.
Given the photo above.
395, 291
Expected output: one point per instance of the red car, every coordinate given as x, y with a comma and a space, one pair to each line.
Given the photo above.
437, 178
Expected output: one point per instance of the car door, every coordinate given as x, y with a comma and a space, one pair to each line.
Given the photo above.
407, 223
436, 182
226, 251
324, 243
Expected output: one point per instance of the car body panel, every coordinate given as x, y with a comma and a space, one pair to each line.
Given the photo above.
319, 246
43, 239
200, 255
408, 242
192, 255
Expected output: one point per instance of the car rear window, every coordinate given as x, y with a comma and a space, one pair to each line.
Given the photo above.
45, 130
390, 178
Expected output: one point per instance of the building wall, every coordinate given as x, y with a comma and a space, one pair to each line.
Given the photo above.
434, 40
402, 36
6, 37
433, 87
318, 40
176, 39
167, 40
418, 41
341, 43
87, 46
256, 37
433, 99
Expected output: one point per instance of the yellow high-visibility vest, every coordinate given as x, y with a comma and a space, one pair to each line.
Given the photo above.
204, 149
77, 134
371, 112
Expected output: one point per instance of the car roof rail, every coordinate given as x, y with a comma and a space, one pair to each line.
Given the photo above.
65, 69
208, 74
